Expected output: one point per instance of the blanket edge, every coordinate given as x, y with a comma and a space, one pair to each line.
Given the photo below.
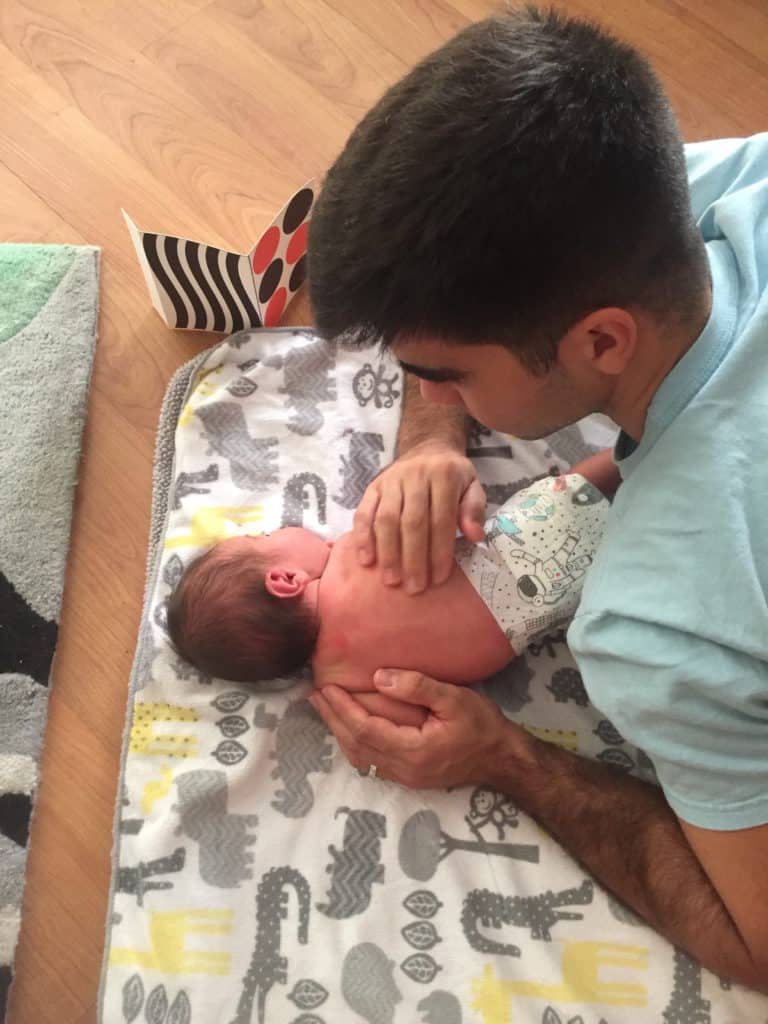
176, 396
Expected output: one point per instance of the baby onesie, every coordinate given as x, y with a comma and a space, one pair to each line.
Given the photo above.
530, 569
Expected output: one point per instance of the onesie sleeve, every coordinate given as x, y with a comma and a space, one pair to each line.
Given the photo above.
699, 710
539, 546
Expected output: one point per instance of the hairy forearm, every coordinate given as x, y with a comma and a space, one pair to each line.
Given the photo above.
623, 831
427, 421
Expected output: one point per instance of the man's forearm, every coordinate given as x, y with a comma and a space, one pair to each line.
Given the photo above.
624, 832
428, 421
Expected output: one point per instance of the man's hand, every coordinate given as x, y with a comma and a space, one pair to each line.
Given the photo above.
464, 740
407, 519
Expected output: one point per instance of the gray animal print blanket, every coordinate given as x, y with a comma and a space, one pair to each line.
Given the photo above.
256, 876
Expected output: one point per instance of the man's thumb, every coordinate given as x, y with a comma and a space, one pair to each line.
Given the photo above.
472, 512
414, 688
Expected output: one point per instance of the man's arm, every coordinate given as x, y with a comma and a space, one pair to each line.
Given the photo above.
697, 894
708, 897
406, 521
424, 421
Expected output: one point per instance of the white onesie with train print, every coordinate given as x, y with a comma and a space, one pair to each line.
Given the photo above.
530, 569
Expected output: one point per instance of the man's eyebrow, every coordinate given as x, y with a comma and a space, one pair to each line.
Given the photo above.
438, 375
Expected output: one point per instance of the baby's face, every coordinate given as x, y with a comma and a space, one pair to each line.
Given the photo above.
292, 547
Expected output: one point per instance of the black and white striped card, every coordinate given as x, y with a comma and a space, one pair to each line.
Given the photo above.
199, 287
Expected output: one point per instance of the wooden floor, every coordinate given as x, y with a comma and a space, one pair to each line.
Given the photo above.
200, 117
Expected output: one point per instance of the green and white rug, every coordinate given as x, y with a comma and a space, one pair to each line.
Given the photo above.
48, 319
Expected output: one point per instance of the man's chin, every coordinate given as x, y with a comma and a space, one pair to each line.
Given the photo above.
528, 434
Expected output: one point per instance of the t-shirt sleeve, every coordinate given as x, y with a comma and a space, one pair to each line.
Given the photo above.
719, 168
698, 709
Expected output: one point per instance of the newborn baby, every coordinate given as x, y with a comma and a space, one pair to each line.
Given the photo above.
255, 607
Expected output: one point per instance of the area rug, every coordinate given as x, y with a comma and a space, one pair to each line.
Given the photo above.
48, 318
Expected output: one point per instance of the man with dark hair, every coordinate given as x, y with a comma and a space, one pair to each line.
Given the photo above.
513, 218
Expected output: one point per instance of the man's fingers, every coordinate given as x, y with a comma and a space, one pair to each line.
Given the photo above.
361, 734
416, 688
472, 512
387, 529
336, 714
444, 499
406, 521
414, 538
362, 526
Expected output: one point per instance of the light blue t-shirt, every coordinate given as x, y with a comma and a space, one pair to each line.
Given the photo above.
672, 632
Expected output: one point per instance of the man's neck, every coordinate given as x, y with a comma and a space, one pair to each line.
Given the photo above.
658, 351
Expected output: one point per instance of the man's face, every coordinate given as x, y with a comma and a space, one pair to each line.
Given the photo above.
493, 386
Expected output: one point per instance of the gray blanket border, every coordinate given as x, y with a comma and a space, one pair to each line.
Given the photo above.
176, 396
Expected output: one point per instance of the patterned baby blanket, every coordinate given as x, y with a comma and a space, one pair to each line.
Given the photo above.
256, 876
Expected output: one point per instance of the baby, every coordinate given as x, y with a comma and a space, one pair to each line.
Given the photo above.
255, 607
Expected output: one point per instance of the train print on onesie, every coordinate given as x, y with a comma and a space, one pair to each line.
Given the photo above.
538, 547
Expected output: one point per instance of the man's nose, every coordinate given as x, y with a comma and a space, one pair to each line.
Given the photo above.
443, 393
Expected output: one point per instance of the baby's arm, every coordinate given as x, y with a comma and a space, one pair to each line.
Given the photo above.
601, 471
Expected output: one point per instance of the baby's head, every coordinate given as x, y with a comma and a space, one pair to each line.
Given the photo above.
246, 609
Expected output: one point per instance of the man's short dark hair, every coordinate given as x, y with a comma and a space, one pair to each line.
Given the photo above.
222, 619
523, 175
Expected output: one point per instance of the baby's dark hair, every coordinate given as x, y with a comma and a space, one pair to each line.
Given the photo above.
525, 174
223, 620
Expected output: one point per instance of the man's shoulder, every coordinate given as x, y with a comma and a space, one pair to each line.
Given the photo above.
720, 169
687, 544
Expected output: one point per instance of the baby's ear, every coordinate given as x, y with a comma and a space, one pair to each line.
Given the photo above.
282, 581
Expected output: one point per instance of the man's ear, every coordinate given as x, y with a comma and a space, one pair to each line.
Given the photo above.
281, 581
603, 341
